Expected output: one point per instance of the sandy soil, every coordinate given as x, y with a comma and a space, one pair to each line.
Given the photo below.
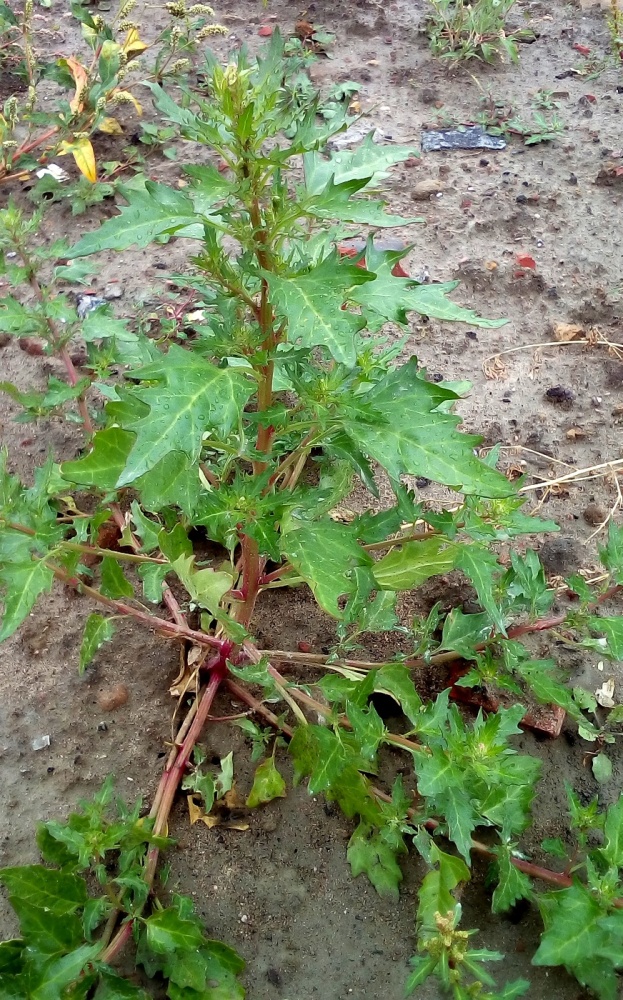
282, 892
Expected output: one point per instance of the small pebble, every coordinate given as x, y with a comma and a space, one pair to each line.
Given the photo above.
112, 291
424, 189
560, 395
111, 698
593, 514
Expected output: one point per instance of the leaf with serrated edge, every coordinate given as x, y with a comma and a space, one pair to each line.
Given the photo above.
395, 679
413, 438
104, 463
312, 302
58, 892
167, 931
23, 583
205, 586
191, 397
97, 631
324, 553
368, 162
154, 211
436, 890
482, 567
368, 853
391, 298
55, 976
512, 886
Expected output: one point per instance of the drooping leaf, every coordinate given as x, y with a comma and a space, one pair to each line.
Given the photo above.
395, 679
97, 631
268, 784
325, 553
22, 584
205, 586
513, 884
409, 565
368, 853
602, 768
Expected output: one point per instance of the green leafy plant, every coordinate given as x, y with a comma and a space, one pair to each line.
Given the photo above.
501, 119
615, 27
247, 427
93, 898
459, 30
30, 132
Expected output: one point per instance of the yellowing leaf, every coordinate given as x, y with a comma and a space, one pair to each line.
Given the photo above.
84, 155
127, 96
81, 77
133, 46
110, 126
195, 812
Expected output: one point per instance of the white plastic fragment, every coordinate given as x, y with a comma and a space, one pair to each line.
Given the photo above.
53, 170
605, 694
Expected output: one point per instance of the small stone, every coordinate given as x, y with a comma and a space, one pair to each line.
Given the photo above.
274, 977
111, 698
4, 339
560, 395
112, 291
561, 555
411, 161
483, 162
593, 514
41, 742
572, 179
102, 727
423, 190
429, 96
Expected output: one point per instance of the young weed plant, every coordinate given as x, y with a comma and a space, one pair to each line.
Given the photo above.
249, 434
460, 30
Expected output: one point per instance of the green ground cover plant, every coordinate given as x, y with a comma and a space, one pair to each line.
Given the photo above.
245, 427
460, 30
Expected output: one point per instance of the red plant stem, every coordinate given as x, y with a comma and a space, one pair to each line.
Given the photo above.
171, 603
171, 629
240, 692
165, 795
251, 573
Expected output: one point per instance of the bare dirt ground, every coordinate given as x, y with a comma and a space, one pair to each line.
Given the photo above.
282, 892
